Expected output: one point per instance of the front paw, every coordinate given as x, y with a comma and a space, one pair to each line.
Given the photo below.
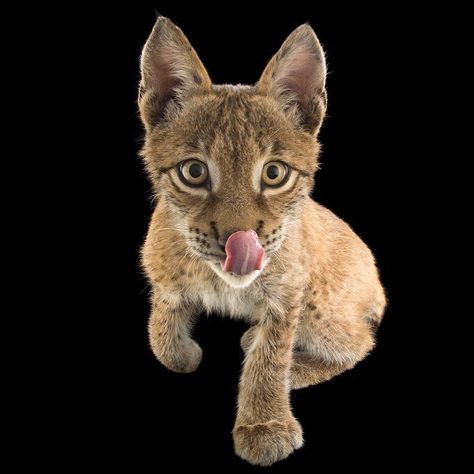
183, 358
267, 443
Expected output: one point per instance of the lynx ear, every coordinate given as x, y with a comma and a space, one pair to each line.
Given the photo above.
296, 78
171, 72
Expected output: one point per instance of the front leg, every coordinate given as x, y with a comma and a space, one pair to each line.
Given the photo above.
169, 332
265, 429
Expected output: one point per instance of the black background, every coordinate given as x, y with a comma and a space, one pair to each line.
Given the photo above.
134, 411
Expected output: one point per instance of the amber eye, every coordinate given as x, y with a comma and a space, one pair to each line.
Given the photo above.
193, 172
274, 173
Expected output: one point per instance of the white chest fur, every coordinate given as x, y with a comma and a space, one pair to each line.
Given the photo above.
234, 302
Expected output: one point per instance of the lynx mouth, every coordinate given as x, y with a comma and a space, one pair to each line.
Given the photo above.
233, 279
244, 253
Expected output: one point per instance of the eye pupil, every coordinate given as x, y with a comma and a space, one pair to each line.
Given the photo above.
272, 172
195, 170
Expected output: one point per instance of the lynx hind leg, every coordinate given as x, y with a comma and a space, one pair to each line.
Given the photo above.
308, 369
327, 348
375, 314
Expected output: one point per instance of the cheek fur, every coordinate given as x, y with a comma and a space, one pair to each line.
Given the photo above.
202, 243
286, 203
272, 240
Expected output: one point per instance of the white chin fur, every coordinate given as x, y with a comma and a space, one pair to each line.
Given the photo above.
233, 280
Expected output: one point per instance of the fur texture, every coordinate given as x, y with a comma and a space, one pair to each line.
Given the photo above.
313, 306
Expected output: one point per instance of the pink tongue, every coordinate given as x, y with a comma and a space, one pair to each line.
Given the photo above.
244, 253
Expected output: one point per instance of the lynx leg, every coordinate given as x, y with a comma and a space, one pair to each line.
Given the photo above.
308, 369
334, 347
169, 333
247, 338
265, 429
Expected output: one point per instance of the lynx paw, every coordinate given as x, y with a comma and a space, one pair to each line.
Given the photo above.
184, 359
267, 443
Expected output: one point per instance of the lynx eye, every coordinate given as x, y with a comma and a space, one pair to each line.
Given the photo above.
193, 172
275, 173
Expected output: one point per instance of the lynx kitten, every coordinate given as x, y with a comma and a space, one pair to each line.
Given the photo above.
235, 231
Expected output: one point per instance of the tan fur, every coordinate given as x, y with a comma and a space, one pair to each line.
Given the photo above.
313, 306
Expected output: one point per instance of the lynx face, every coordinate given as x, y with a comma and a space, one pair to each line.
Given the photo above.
234, 164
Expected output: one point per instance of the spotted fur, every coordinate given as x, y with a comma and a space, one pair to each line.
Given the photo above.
313, 306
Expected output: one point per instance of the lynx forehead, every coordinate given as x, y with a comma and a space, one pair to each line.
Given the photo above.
235, 230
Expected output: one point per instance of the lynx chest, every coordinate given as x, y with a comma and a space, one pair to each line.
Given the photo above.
221, 298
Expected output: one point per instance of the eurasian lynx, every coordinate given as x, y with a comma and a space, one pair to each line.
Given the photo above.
235, 231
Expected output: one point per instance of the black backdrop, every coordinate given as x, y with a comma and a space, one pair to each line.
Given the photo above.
136, 412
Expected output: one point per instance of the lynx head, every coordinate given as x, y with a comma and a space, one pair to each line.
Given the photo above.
233, 164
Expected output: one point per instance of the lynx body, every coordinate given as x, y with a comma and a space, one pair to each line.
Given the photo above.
234, 231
